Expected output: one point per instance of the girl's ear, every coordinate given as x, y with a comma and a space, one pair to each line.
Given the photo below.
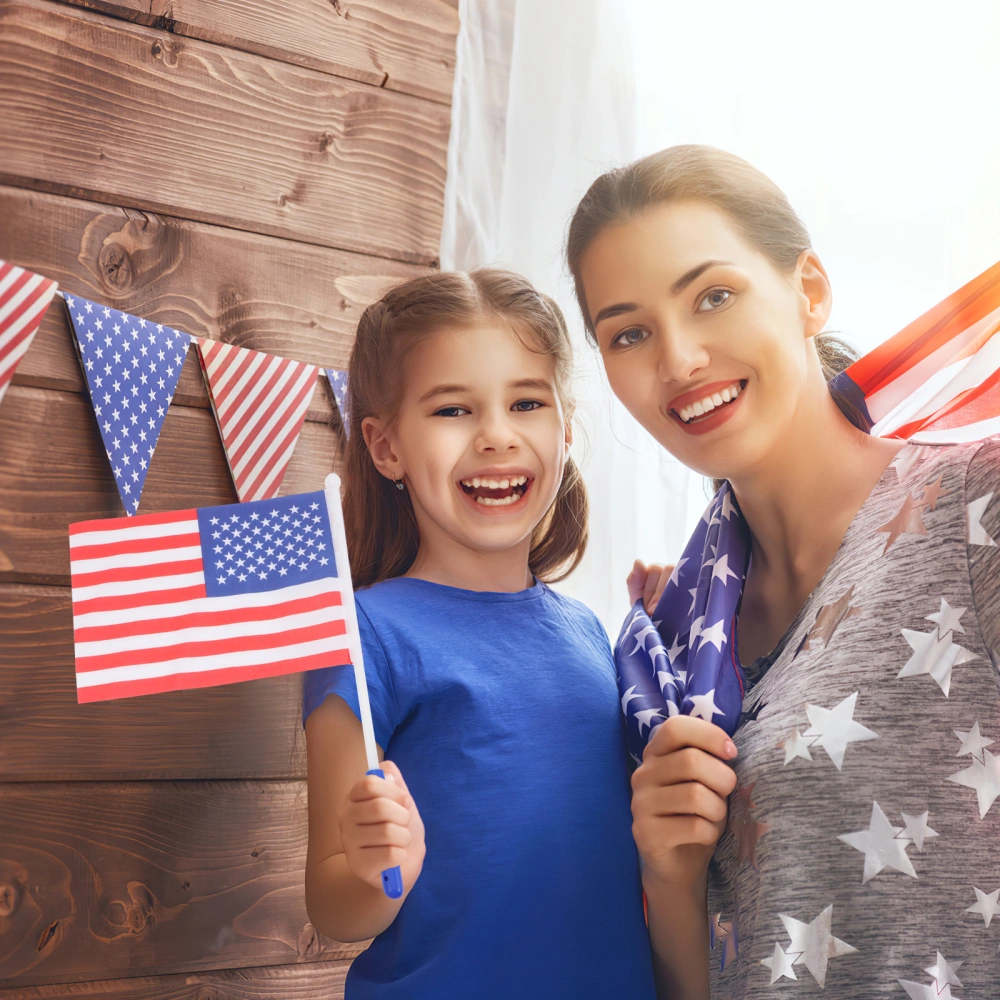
815, 287
380, 448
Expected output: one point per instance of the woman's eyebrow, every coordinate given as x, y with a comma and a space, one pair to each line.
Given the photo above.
696, 272
616, 310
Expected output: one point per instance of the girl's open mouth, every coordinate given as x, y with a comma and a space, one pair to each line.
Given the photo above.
489, 491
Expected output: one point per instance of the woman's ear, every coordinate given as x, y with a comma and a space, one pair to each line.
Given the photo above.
816, 288
381, 449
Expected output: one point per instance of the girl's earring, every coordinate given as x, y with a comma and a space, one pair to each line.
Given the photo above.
399, 484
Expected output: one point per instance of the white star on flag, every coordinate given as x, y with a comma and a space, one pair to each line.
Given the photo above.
714, 634
627, 697
695, 630
977, 533
704, 706
721, 570
834, 728
675, 573
882, 846
727, 507
934, 655
987, 906
640, 637
675, 649
646, 716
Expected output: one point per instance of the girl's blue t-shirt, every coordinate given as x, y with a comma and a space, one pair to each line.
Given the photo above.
501, 710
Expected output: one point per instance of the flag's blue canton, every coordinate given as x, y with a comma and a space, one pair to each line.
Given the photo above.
684, 661
338, 383
248, 548
131, 367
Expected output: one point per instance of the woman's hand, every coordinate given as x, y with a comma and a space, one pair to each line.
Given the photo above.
647, 582
679, 800
381, 828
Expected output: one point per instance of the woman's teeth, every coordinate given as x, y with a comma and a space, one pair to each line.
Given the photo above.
485, 489
709, 403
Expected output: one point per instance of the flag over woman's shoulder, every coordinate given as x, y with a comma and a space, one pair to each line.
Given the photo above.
936, 381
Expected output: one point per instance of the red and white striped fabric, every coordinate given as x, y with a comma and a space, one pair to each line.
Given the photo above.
24, 297
260, 402
189, 598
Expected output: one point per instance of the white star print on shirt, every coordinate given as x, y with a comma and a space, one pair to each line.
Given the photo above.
917, 830
986, 905
834, 728
780, 964
948, 619
934, 655
984, 777
796, 746
977, 533
813, 944
973, 742
881, 845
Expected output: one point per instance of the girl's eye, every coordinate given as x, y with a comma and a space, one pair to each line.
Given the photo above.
524, 405
715, 299
630, 337
451, 411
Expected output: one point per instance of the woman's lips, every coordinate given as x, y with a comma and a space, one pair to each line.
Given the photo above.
710, 421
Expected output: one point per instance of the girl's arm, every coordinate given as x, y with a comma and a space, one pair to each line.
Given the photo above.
679, 809
357, 828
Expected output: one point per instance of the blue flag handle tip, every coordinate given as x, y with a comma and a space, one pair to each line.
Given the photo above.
392, 878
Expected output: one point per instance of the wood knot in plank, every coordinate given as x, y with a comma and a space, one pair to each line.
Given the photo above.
47, 936
167, 50
10, 898
339, 9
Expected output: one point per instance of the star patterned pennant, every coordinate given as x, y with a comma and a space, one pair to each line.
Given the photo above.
338, 386
811, 945
131, 367
685, 661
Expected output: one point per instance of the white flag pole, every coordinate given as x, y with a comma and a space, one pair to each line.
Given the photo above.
331, 487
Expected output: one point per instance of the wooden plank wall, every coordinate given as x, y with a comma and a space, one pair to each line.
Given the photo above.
252, 172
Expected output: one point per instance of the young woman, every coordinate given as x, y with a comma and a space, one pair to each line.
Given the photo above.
492, 693
861, 851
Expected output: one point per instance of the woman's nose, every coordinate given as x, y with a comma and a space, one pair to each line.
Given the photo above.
680, 356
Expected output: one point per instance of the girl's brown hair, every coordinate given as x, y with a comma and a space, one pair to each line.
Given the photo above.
758, 208
382, 534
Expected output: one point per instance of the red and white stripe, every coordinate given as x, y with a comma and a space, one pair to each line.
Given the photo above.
260, 402
143, 623
24, 297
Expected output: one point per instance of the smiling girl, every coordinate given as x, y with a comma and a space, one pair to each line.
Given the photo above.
859, 853
492, 693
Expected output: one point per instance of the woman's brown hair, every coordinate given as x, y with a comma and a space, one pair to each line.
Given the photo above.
758, 208
382, 534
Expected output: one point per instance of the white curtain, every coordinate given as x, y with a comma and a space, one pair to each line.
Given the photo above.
880, 120
519, 162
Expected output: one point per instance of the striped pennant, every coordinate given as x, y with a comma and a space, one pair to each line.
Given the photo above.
938, 379
24, 297
260, 402
337, 378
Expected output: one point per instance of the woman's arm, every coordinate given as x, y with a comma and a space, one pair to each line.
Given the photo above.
357, 828
679, 809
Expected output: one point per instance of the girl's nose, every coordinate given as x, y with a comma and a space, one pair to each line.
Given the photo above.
496, 434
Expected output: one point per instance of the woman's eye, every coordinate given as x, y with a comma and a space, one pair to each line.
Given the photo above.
627, 338
450, 411
524, 405
715, 299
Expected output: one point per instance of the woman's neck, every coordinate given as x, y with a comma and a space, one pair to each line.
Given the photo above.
799, 504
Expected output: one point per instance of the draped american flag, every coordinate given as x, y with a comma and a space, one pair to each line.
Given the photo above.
200, 597
131, 367
260, 402
936, 381
24, 297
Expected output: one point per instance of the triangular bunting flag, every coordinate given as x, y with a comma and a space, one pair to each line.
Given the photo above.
131, 367
260, 402
338, 383
24, 297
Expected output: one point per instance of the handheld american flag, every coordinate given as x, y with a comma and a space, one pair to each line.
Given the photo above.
195, 598
937, 380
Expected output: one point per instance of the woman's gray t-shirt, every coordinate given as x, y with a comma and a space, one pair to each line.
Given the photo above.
862, 855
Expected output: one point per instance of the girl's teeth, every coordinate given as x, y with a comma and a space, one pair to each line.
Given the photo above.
498, 501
